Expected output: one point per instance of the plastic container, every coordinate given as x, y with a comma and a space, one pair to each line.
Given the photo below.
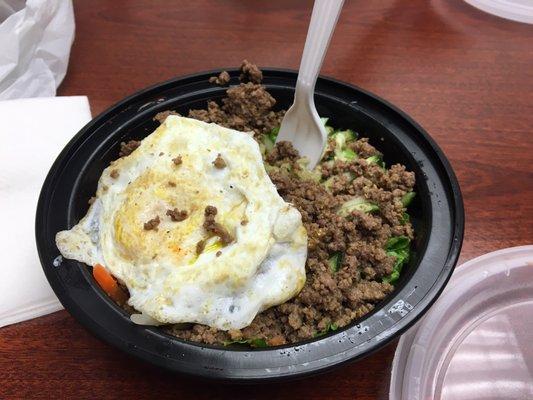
516, 10
476, 342
437, 215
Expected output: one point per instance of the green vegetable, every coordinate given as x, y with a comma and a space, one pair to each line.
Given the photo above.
335, 261
328, 183
268, 143
345, 155
357, 204
343, 137
408, 198
304, 173
376, 160
283, 168
309, 175
273, 134
397, 243
330, 328
257, 343
397, 246
405, 218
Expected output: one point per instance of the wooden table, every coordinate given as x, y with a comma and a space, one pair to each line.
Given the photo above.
465, 76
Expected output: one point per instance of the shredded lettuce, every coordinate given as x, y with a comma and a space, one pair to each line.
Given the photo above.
330, 328
273, 134
328, 183
398, 247
408, 198
269, 140
305, 173
357, 204
335, 261
268, 144
283, 168
405, 218
343, 137
338, 143
345, 155
376, 160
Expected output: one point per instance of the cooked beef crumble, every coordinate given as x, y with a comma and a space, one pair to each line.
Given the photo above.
214, 228
127, 148
177, 215
177, 160
219, 162
336, 292
152, 224
160, 117
250, 72
222, 79
246, 107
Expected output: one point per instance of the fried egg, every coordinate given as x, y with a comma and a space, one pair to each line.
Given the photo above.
175, 269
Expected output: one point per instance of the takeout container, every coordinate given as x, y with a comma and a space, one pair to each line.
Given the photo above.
437, 214
475, 342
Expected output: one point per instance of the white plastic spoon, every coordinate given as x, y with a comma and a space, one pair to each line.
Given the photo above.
301, 124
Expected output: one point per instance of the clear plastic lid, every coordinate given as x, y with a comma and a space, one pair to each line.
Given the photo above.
476, 342
516, 10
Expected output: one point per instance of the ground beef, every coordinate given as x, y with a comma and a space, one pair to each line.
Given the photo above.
200, 246
282, 152
152, 224
127, 148
222, 79
177, 160
162, 116
219, 162
246, 107
329, 297
250, 72
177, 215
214, 228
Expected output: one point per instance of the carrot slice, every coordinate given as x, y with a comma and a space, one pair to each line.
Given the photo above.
109, 284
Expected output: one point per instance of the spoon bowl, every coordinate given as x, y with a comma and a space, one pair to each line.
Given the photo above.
311, 136
301, 125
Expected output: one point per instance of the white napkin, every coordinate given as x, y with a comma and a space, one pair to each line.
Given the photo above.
35, 40
32, 133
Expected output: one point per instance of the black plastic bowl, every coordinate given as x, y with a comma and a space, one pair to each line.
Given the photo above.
437, 214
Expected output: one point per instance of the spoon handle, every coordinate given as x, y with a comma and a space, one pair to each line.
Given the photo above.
323, 20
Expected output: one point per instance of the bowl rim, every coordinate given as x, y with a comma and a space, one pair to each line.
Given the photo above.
371, 345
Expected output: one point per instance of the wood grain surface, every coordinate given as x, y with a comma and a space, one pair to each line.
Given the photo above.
465, 76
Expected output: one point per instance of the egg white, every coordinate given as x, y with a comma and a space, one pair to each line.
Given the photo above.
167, 280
